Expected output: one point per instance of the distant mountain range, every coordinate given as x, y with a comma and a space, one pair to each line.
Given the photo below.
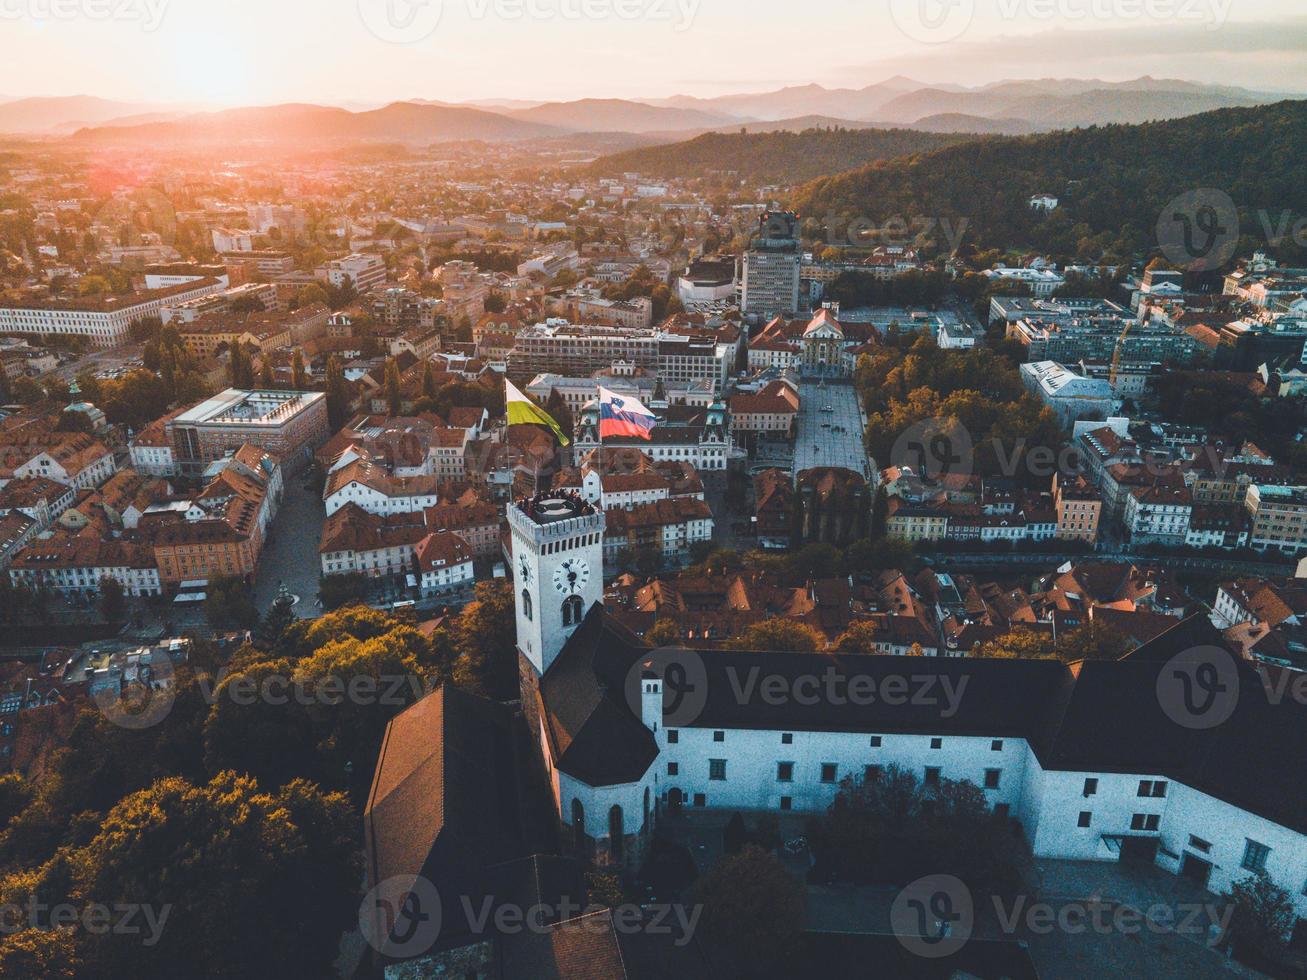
1036, 103
1010, 107
400, 122
56, 115
618, 116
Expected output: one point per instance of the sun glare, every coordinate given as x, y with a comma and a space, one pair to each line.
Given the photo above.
212, 69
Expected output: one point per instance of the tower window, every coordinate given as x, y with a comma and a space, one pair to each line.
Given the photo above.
573, 610
527, 610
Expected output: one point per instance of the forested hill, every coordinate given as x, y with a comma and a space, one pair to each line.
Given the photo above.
775, 157
1113, 182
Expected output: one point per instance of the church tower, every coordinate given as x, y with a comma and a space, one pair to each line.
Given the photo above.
558, 574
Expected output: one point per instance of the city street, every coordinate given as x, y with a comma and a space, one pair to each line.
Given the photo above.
291, 553
834, 437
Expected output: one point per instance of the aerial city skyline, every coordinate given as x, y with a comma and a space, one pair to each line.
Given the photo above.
621, 489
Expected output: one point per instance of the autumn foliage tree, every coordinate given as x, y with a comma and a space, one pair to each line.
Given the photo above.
753, 907
217, 864
779, 635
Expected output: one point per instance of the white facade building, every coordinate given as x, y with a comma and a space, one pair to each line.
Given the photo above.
362, 269
104, 322
1214, 800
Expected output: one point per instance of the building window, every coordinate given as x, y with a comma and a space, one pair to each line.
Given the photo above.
875, 741
992, 777
1091, 787
1254, 855
527, 611
716, 768
936, 743
700, 800
785, 772
828, 772
787, 738
1148, 787
932, 776
996, 745
1144, 821
673, 768
871, 773
719, 736
787, 802
1085, 818
1198, 844
572, 610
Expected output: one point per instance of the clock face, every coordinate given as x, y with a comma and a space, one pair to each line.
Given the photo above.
524, 572
571, 576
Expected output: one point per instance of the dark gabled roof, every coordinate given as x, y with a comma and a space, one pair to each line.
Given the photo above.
1095, 716
1115, 722
583, 948
1195, 631
1020, 699
594, 734
590, 947
443, 802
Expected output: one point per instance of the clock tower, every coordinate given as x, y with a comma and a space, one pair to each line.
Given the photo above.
558, 574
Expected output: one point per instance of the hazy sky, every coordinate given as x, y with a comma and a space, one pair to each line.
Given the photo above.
263, 51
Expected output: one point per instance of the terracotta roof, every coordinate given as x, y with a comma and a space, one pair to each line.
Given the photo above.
368, 474
658, 513
29, 491
442, 549
777, 398
353, 529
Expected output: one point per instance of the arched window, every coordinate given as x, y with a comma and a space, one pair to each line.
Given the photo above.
526, 605
572, 610
615, 833
578, 826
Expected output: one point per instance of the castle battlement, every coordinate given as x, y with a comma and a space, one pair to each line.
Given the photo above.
550, 521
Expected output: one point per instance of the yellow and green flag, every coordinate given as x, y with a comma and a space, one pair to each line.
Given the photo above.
522, 410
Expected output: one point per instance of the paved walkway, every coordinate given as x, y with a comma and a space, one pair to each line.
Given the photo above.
291, 553
830, 438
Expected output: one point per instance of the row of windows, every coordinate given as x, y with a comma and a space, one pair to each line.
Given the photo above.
830, 773
875, 741
569, 544
1155, 788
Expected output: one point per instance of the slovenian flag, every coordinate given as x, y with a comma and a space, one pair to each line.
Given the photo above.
523, 411
620, 416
